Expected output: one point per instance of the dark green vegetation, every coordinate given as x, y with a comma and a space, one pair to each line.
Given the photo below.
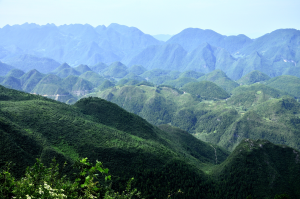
211, 114
161, 160
42, 182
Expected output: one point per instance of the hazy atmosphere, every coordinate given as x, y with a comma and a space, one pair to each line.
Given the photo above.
252, 18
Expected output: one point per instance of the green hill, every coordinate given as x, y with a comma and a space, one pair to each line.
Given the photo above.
205, 90
67, 72
99, 68
30, 79
191, 74
131, 75
150, 74
105, 85
286, 83
82, 68
253, 77
51, 86
93, 77
179, 82
221, 79
77, 86
137, 69
125, 81
61, 67
17, 73
255, 165
275, 120
246, 97
12, 82
116, 70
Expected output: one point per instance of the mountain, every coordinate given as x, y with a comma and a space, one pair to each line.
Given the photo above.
93, 77
67, 72
36, 127
98, 129
179, 82
105, 85
265, 164
116, 69
221, 79
286, 83
276, 45
134, 76
166, 57
51, 87
30, 79
26, 46
15, 73
191, 74
11, 82
77, 86
28, 62
61, 67
5, 68
82, 68
253, 77
206, 90
99, 67
275, 120
247, 64
76, 43
191, 38
248, 96
201, 59
137, 69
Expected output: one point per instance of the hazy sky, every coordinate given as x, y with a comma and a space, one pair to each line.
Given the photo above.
228, 17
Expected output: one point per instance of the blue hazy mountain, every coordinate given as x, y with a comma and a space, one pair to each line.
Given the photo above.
264, 54
28, 62
5, 68
167, 56
76, 43
204, 51
191, 38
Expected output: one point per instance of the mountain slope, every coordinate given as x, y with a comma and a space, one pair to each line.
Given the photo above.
99, 130
221, 79
253, 77
191, 38
5, 68
259, 168
30, 62
286, 83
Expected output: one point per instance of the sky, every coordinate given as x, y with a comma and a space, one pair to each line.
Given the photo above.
253, 18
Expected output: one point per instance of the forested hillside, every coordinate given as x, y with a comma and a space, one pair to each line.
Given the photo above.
162, 160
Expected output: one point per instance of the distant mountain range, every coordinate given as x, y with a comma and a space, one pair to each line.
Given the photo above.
31, 46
